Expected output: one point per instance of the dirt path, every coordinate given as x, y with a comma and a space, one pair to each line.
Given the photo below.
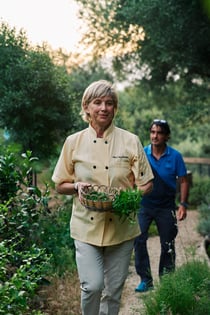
188, 244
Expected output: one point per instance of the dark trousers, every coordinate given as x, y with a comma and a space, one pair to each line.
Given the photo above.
166, 223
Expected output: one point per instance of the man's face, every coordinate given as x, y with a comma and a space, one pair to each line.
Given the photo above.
158, 136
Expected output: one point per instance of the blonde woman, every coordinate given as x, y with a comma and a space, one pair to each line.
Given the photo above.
101, 154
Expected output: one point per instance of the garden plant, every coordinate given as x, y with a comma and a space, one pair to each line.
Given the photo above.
184, 292
33, 241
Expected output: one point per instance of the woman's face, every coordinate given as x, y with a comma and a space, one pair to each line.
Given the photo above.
101, 111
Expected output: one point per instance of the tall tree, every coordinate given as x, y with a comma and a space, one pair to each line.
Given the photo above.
165, 41
34, 95
172, 36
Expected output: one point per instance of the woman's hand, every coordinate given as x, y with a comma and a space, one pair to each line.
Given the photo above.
78, 187
67, 188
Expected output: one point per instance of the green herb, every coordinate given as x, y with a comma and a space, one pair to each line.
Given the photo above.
97, 196
126, 204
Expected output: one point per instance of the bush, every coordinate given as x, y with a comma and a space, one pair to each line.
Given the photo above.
184, 292
199, 190
10, 176
22, 262
34, 242
204, 216
20, 273
54, 236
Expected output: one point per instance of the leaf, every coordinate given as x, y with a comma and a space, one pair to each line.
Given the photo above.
127, 203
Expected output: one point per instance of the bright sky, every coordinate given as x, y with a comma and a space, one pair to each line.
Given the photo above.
52, 21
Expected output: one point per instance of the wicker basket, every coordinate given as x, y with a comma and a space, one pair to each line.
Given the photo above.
98, 198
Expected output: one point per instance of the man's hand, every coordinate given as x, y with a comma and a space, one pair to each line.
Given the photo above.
181, 213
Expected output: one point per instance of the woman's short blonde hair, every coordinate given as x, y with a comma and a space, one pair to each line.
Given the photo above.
97, 89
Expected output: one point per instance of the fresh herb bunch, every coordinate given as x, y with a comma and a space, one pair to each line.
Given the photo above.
96, 195
126, 204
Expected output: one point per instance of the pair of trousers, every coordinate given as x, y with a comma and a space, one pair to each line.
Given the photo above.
166, 223
102, 273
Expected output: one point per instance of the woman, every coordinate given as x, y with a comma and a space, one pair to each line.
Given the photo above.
101, 154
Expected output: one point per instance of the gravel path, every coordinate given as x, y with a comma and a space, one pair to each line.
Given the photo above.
188, 244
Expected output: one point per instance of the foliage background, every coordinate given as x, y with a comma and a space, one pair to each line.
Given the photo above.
158, 55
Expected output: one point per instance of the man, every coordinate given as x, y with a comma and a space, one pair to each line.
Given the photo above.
159, 205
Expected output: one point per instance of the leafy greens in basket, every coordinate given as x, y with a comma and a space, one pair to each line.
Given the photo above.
126, 204
123, 203
96, 195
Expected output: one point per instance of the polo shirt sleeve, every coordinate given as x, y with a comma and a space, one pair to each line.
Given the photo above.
181, 167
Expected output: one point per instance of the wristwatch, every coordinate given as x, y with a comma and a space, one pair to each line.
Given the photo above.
184, 204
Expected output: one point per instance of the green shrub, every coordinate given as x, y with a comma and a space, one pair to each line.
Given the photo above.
34, 242
199, 190
9, 177
55, 237
204, 216
184, 292
153, 231
19, 280
22, 262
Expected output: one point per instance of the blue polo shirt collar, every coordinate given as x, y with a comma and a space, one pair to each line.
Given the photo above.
166, 152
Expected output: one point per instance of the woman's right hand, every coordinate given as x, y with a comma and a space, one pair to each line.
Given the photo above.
79, 186
67, 188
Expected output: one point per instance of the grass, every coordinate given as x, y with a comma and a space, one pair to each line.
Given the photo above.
61, 297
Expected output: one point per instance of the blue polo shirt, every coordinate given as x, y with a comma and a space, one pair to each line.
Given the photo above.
165, 170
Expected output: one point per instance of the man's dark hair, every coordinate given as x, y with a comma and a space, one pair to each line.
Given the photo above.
163, 124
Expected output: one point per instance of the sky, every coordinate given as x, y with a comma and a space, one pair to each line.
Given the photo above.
51, 21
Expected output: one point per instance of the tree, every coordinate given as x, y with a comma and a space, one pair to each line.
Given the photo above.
34, 95
170, 35
165, 41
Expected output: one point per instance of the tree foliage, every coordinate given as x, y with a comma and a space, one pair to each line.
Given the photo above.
169, 36
163, 46
40, 101
34, 98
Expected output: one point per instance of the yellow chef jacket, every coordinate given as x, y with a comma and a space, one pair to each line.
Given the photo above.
117, 160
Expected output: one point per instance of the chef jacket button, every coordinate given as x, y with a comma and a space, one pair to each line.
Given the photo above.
94, 141
106, 142
94, 166
106, 167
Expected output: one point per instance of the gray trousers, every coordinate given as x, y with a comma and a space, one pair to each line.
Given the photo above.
102, 272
